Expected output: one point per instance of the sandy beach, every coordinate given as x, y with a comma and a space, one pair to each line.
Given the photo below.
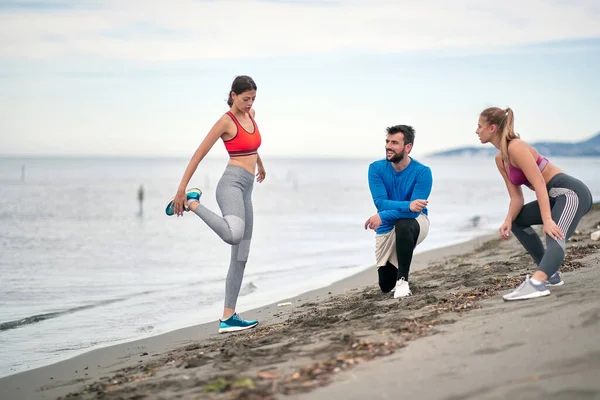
352, 341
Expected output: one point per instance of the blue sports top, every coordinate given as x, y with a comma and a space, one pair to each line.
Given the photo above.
393, 191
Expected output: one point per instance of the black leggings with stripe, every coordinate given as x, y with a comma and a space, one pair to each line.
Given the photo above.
570, 200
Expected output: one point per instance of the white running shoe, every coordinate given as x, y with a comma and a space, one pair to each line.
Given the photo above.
402, 289
527, 290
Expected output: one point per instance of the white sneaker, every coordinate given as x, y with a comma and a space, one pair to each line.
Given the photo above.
527, 290
402, 289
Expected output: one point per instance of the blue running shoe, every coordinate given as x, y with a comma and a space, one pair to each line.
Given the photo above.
235, 323
191, 194
555, 280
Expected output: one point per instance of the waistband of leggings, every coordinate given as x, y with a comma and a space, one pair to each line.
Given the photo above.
239, 171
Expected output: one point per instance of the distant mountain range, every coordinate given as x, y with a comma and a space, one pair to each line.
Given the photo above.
587, 148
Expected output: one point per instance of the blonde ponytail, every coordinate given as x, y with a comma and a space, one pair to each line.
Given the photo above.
505, 121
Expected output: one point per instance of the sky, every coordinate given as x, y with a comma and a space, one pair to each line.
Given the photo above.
151, 77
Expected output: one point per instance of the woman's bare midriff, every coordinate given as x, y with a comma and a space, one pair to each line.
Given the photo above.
550, 172
246, 162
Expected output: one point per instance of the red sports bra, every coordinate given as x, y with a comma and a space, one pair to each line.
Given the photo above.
243, 143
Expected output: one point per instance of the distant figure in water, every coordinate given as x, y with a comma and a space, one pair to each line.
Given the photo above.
141, 198
475, 221
241, 137
561, 201
400, 186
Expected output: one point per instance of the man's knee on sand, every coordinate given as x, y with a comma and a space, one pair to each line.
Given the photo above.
388, 275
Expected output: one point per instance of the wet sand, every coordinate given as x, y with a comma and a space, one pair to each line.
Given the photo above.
351, 340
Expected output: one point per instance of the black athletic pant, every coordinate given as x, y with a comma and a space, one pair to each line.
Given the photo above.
570, 200
407, 233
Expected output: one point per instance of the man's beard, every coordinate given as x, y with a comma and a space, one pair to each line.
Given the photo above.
396, 158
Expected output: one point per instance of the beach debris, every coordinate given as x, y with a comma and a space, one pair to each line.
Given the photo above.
356, 352
144, 354
221, 384
267, 375
595, 235
335, 334
287, 303
196, 362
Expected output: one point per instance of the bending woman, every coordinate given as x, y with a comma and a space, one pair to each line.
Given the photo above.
241, 137
561, 201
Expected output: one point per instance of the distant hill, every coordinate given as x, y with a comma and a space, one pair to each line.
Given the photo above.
586, 148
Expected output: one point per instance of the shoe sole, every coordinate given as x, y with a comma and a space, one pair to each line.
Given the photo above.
169, 210
170, 207
400, 297
529, 296
236, 328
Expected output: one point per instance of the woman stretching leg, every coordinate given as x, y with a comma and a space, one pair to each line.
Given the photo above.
241, 137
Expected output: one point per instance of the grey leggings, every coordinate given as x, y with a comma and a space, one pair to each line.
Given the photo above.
570, 199
234, 196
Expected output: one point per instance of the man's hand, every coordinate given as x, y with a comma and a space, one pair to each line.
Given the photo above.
418, 205
373, 222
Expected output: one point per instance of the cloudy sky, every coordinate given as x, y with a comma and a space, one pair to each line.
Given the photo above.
150, 77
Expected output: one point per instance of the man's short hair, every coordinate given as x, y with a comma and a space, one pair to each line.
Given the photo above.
406, 130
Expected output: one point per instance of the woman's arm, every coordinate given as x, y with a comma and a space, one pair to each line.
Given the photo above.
521, 155
515, 192
516, 199
260, 175
218, 129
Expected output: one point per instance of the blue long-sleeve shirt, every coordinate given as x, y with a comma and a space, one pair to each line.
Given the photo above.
393, 191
